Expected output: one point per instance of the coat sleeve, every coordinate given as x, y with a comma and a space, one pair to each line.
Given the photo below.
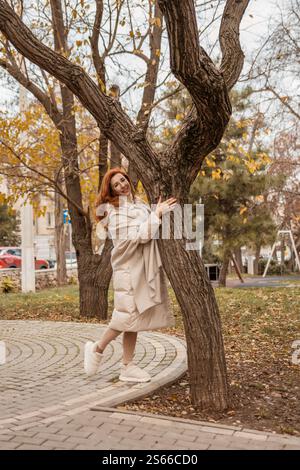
120, 228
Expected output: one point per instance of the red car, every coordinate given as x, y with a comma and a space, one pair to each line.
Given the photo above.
11, 257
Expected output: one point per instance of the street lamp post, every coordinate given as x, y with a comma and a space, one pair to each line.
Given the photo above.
28, 268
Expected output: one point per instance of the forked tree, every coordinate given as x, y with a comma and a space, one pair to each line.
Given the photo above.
171, 172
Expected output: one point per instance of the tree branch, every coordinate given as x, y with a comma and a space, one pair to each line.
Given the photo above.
94, 40
113, 35
39, 94
282, 100
229, 36
194, 69
152, 71
113, 121
52, 182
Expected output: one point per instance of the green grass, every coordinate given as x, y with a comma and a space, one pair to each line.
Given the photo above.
261, 312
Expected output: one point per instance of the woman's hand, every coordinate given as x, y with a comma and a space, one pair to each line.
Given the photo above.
164, 207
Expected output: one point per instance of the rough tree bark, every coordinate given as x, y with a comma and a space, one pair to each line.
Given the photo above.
115, 154
172, 172
224, 269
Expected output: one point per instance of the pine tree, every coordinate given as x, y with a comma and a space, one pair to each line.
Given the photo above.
9, 227
234, 185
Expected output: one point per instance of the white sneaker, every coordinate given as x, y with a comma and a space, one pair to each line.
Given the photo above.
132, 373
92, 359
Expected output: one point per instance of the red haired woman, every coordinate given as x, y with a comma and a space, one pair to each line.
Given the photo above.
140, 293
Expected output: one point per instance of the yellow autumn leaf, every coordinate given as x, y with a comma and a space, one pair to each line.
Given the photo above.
210, 163
216, 174
242, 210
156, 21
252, 166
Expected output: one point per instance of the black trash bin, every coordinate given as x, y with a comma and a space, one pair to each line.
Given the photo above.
213, 271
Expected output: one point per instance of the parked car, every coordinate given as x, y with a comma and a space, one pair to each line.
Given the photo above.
51, 263
11, 257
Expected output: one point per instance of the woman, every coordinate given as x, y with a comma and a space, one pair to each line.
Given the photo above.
140, 293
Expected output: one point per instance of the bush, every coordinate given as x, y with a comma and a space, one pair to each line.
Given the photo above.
72, 280
8, 285
209, 257
274, 267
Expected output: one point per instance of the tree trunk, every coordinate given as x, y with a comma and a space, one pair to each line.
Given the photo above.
95, 273
115, 156
61, 272
102, 159
256, 260
133, 175
236, 267
238, 258
224, 269
282, 250
205, 350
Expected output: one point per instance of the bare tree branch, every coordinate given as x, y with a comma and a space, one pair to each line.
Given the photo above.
94, 40
113, 121
194, 69
40, 95
114, 33
282, 99
53, 183
152, 70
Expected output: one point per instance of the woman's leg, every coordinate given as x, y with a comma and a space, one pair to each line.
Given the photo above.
108, 336
129, 342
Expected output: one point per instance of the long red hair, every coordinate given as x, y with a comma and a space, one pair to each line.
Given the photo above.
106, 194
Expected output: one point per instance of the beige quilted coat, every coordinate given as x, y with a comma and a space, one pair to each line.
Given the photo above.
140, 291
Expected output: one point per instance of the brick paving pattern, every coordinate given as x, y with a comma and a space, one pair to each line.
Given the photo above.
47, 402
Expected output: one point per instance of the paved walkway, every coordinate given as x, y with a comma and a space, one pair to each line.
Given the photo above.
47, 402
268, 281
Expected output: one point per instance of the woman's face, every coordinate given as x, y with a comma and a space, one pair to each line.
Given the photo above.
120, 185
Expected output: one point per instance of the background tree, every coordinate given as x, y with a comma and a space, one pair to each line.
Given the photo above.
233, 184
274, 71
9, 226
68, 21
234, 211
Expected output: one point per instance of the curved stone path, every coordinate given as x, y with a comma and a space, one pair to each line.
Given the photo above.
43, 375
47, 402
